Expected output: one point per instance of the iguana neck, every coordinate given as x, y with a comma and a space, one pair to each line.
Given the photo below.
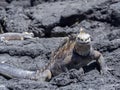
82, 49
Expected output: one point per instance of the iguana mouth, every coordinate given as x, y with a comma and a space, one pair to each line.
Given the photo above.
84, 43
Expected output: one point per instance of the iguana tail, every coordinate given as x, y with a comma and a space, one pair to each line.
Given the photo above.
13, 72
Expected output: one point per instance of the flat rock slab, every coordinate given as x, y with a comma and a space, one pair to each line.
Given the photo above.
29, 54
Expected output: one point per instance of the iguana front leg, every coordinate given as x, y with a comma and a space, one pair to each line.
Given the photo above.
101, 62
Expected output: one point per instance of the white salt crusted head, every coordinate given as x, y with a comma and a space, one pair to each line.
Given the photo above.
28, 35
83, 37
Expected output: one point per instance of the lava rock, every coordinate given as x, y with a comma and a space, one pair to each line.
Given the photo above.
15, 20
28, 85
64, 79
47, 16
3, 3
28, 54
115, 15
22, 3
64, 31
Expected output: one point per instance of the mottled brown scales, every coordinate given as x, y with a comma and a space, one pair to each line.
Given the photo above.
61, 57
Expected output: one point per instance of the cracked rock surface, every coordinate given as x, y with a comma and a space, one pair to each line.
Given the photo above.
51, 21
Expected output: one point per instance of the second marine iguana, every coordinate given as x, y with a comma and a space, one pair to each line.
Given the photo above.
75, 52
15, 36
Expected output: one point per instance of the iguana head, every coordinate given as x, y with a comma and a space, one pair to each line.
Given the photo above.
83, 37
28, 35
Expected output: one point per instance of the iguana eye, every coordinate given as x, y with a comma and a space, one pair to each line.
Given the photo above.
80, 39
87, 39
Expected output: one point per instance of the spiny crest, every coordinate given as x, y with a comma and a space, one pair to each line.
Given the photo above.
81, 31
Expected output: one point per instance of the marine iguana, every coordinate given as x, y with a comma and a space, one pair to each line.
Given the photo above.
75, 52
15, 36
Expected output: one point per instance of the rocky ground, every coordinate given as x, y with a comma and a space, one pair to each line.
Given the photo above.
51, 21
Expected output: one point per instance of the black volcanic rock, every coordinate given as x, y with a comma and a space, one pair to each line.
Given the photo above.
31, 53
3, 3
16, 20
29, 85
23, 3
47, 16
51, 21
115, 15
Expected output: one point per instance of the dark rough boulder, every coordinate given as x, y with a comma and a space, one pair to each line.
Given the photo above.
35, 27
2, 83
15, 20
113, 60
3, 3
36, 2
29, 85
2, 13
91, 80
95, 28
47, 16
115, 15
30, 54
23, 3
2, 17
2, 80
64, 31
65, 79
44, 19
106, 12
3, 87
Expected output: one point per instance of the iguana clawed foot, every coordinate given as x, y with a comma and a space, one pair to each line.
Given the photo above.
106, 70
43, 76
